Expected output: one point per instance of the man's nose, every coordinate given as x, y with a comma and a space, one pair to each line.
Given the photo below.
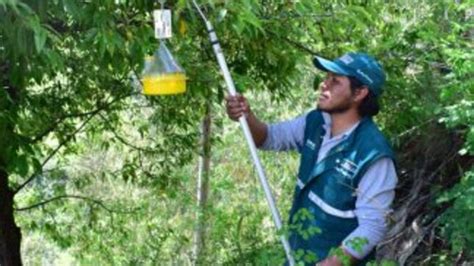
324, 85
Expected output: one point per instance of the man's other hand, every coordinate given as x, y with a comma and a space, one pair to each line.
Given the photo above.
331, 261
237, 106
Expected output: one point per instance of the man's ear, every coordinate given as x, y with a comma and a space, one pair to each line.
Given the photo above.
360, 93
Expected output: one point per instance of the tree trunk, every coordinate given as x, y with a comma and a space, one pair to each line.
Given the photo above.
203, 187
10, 234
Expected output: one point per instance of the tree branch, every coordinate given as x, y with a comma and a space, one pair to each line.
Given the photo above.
122, 140
294, 43
65, 141
76, 115
59, 120
95, 201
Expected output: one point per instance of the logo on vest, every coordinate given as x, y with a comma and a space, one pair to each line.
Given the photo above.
347, 168
310, 144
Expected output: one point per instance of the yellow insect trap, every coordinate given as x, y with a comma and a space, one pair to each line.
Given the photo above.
162, 75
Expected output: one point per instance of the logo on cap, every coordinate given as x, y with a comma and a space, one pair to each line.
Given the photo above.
346, 59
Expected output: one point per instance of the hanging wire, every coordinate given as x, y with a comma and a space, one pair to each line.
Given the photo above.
199, 10
162, 16
162, 8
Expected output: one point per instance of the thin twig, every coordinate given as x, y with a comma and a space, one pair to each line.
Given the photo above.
122, 140
95, 201
60, 120
415, 127
294, 43
76, 115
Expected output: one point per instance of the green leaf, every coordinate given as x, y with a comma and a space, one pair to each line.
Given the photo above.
72, 7
40, 38
21, 164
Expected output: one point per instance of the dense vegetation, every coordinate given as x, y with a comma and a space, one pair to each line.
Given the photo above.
92, 172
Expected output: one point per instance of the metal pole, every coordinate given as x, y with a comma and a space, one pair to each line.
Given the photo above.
248, 136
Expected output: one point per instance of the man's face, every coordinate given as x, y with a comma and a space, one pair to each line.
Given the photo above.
336, 95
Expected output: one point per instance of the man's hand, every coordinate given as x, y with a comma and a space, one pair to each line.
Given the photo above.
336, 261
331, 261
237, 106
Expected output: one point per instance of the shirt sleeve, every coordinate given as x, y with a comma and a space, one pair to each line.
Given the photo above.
286, 135
375, 194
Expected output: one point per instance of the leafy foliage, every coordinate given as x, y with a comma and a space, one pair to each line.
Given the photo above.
72, 124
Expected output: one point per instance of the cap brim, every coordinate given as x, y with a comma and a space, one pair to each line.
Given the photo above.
329, 66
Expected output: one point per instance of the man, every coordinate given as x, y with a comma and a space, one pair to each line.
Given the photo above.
347, 177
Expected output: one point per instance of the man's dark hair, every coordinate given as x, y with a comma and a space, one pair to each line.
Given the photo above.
370, 105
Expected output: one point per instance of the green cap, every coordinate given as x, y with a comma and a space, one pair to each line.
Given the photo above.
358, 65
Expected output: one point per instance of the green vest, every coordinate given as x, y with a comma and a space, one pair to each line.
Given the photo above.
325, 195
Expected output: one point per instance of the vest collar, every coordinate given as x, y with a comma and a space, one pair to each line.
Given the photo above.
320, 168
345, 144
348, 135
328, 122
